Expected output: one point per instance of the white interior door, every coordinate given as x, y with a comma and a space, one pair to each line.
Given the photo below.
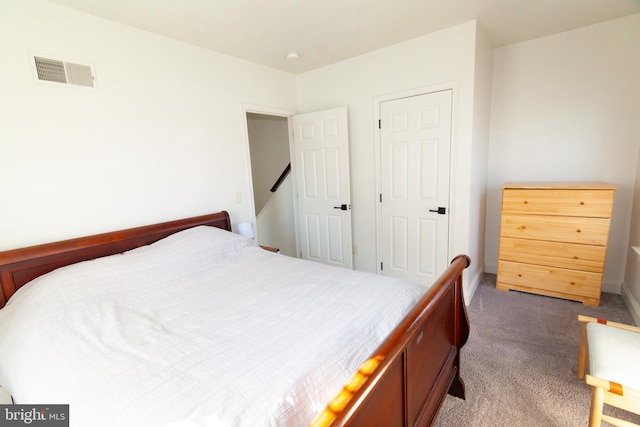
415, 146
321, 170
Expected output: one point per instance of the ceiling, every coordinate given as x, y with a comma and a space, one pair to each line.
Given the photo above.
323, 32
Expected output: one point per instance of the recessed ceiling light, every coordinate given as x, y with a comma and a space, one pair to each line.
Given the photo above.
293, 56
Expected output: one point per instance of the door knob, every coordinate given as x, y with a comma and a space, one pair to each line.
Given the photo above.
440, 210
341, 207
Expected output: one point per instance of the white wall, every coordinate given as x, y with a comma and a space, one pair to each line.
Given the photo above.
479, 154
163, 137
276, 223
565, 108
439, 58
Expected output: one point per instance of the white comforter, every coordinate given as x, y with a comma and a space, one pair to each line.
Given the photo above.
201, 328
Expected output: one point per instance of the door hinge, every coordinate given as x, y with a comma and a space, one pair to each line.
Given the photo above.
379, 124
381, 267
380, 197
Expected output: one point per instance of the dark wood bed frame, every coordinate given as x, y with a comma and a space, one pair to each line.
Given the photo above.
403, 384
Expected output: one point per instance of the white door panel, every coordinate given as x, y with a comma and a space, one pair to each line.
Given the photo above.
415, 144
311, 231
321, 168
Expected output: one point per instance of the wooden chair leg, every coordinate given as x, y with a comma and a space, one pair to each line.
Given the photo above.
584, 353
597, 400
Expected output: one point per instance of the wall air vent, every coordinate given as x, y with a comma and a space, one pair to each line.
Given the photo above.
53, 70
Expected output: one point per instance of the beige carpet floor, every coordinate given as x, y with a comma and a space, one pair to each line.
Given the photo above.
520, 362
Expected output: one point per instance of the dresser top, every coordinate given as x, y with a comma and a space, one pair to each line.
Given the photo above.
561, 185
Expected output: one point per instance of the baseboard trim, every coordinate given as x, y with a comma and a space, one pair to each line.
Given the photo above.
612, 288
491, 268
632, 304
473, 286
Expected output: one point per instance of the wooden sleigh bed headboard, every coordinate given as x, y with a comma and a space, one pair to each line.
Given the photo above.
403, 383
19, 266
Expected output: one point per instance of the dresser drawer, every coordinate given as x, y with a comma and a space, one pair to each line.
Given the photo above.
556, 281
587, 231
574, 202
553, 254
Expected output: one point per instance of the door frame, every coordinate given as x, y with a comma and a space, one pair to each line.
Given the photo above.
424, 90
278, 112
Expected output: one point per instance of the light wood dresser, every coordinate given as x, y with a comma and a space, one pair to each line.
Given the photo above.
553, 239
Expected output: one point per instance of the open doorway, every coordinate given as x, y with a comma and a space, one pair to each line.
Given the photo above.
272, 181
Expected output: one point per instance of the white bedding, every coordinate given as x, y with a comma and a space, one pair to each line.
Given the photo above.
200, 328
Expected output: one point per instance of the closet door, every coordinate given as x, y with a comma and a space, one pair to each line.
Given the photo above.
415, 145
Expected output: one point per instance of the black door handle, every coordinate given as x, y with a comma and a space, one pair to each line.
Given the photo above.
440, 210
341, 207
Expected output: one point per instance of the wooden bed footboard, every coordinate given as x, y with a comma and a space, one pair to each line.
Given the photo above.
406, 380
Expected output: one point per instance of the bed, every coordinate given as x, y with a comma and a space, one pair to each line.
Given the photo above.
201, 326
